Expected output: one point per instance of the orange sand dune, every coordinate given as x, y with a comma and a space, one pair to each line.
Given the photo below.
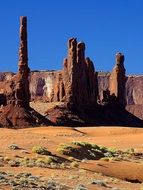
51, 137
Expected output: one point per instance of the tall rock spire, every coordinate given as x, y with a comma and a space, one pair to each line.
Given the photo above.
17, 113
23, 50
117, 80
69, 72
22, 89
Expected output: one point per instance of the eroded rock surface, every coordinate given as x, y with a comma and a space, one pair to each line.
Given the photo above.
117, 80
16, 112
87, 95
79, 77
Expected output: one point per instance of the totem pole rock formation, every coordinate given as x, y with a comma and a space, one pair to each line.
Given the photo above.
78, 87
17, 89
117, 80
23, 70
17, 112
81, 93
79, 77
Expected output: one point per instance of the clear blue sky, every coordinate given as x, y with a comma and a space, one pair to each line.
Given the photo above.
106, 26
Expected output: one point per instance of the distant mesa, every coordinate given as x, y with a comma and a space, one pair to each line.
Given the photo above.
89, 97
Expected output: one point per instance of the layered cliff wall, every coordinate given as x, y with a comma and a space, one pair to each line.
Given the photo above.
43, 83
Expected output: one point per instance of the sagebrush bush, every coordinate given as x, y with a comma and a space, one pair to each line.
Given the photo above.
40, 150
65, 149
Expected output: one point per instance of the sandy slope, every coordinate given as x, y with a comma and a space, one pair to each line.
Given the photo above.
51, 137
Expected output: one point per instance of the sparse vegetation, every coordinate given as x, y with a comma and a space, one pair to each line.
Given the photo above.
50, 159
97, 151
45, 161
86, 144
66, 149
28, 181
40, 150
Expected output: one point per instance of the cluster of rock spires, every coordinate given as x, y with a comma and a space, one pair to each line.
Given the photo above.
80, 87
76, 85
79, 77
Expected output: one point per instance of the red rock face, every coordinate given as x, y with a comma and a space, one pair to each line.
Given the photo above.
117, 80
77, 85
17, 89
22, 88
79, 78
16, 112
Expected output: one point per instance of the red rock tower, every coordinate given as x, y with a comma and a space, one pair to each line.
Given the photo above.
69, 71
117, 80
23, 50
17, 113
79, 77
22, 92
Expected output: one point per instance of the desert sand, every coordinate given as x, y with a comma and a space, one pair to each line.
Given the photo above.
122, 174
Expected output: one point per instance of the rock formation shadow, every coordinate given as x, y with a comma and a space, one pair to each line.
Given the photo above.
101, 115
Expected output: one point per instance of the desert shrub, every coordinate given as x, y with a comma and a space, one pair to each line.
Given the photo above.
70, 158
23, 182
112, 150
63, 165
6, 159
85, 144
94, 149
130, 150
27, 162
66, 149
74, 164
13, 147
40, 163
14, 163
40, 150
51, 184
45, 162
23, 175
105, 159
50, 159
